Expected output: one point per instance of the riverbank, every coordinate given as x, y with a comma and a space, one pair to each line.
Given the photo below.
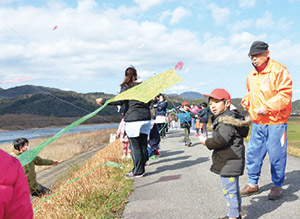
69, 145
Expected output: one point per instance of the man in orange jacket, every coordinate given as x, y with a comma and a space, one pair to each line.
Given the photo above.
269, 103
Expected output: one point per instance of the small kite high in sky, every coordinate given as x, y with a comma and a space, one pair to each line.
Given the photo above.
54, 28
15, 80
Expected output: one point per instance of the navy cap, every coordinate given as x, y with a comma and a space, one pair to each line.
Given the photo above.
258, 47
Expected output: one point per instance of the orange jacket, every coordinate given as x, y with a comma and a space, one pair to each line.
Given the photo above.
272, 89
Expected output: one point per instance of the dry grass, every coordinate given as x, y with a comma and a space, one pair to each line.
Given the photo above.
292, 150
69, 145
101, 194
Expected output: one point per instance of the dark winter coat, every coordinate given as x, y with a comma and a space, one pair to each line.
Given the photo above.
134, 110
204, 114
228, 130
161, 109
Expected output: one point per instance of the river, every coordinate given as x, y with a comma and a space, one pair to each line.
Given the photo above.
9, 136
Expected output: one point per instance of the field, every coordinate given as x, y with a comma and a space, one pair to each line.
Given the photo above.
293, 135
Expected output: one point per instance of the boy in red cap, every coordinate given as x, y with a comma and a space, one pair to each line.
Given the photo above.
185, 122
228, 130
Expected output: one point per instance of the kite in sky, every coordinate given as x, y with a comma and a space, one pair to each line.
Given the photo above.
179, 65
54, 28
15, 80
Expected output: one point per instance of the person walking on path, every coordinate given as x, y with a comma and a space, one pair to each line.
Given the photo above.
185, 122
137, 119
14, 190
269, 103
229, 129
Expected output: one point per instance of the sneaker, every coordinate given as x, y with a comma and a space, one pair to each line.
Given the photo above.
197, 135
128, 156
123, 157
131, 175
276, 193
248, 190
153, 157
157, 153
184, 143
189, 144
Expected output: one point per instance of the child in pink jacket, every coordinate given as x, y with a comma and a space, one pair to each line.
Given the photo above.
14, 189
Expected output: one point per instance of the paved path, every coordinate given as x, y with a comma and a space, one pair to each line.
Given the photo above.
180, 185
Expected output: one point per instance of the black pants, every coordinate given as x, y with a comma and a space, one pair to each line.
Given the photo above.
139, 153
39, 193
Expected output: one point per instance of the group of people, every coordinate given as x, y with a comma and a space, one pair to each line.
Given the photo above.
268, 102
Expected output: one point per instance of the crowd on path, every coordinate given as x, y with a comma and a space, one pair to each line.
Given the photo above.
143, 125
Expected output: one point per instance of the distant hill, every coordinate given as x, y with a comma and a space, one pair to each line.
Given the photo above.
192, 95
45, 101
24, 90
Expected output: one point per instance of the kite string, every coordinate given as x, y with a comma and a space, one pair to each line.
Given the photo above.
67, 102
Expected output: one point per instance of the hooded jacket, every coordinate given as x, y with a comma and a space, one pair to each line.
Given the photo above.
30, 170
272, 89
228, 130
14, 192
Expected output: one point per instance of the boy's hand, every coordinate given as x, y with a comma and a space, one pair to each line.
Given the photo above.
55, 163
202, 139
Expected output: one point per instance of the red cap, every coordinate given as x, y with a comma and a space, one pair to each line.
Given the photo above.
219, 94
184, 103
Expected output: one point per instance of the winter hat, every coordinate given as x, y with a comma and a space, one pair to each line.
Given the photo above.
184, 103
258, 47
219, 94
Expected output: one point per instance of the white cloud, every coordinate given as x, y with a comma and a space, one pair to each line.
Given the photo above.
178, 14
148, 4
6, 1
266, 22
164, 15
241, 25
286, 51
284, 24
247, 3
220, 15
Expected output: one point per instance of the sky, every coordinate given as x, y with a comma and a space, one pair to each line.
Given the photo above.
85, 46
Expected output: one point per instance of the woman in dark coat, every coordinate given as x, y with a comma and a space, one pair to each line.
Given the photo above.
137, 124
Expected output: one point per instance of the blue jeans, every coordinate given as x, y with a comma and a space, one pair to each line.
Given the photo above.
193, 124
271, 139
